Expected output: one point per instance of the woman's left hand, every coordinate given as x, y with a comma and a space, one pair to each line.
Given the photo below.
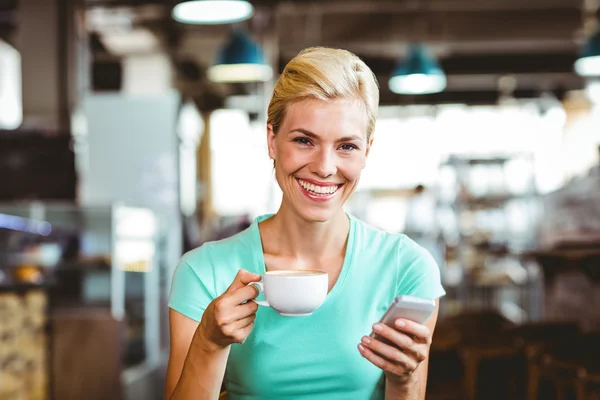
409, 347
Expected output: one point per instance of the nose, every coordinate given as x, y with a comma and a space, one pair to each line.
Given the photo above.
324, 163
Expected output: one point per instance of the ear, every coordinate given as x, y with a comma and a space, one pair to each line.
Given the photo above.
271, 141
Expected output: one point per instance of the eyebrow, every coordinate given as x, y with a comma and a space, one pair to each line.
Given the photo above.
315, 136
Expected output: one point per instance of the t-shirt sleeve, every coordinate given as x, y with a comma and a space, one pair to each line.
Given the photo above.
419, 274
192, 288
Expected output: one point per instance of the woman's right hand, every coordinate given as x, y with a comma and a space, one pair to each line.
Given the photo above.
230, 317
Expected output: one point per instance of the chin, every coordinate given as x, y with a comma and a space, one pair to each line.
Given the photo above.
317, 215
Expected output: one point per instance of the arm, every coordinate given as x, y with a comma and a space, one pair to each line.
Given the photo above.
199, 351
195, 368
404, 364
416, 386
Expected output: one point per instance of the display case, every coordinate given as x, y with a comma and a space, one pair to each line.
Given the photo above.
572, 214
490, 211
569, 251
92, 258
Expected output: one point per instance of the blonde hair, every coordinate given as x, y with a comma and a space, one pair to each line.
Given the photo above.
325, 74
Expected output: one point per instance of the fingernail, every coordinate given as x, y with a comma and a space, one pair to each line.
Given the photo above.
400, 323
366, 339
361, 347
377, 328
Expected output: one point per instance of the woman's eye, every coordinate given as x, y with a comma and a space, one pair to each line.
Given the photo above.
302, 140
348, 147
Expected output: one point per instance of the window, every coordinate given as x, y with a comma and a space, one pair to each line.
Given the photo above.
242, 172
407, 151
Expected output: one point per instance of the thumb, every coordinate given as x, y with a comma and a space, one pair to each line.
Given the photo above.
242, 279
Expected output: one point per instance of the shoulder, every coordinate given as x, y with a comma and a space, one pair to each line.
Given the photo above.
215, 263
419, 274
415, 268
372, 236
405, 250
203, 273
410, 251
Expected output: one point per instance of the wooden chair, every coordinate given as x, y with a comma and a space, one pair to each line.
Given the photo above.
509, 351
452, 336
588, 386
570, 366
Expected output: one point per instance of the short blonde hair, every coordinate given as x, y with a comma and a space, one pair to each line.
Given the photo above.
325, 74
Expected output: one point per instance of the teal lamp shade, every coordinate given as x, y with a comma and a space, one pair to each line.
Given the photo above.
420, 73
588, 63
211, 12
240, 60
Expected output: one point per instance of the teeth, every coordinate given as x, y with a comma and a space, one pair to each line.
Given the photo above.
317, 189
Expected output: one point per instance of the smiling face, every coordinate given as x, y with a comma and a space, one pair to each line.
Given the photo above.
319, 152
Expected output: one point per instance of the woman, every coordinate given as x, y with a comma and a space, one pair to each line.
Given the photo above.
320, 124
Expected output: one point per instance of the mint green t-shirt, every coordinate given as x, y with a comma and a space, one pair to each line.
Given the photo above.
313, 357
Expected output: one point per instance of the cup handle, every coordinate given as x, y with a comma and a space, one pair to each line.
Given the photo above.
259, 286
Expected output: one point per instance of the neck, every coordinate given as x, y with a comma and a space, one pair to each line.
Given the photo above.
301, 239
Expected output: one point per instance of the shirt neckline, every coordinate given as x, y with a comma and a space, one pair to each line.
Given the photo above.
259, 256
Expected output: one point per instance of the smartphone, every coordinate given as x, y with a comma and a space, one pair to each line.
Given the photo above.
408, 307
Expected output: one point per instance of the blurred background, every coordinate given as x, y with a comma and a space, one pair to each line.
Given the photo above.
132, 131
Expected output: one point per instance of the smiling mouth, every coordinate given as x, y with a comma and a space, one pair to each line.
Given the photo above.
318, 191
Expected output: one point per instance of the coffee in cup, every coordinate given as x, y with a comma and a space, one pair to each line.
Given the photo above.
293, 293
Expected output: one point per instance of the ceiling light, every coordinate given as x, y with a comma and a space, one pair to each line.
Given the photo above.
418, 74
211, 12
240, 60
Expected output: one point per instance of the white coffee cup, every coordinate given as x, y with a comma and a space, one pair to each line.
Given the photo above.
293, 293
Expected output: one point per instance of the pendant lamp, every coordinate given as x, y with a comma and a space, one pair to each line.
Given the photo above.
420, 73
588, 63
240, 60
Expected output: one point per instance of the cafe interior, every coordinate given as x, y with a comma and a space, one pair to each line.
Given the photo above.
129, 130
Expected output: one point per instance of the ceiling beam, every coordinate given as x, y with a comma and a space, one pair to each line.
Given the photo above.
119, 3
396, 6
509, 63
482, 97
381, 27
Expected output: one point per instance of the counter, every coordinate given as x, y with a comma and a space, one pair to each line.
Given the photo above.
24, 372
